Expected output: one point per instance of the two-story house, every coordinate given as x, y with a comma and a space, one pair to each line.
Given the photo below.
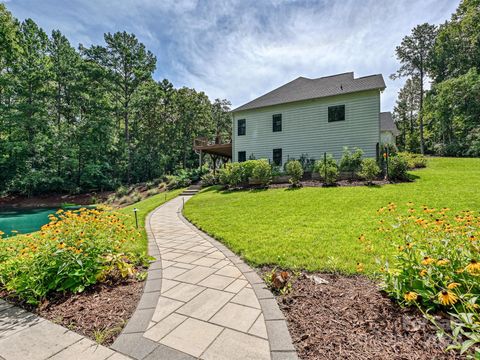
310, 116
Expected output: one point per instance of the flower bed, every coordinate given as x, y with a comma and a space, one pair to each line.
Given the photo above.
437, 267
75, 250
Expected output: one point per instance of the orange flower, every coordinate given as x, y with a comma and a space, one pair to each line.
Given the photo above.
427, 260
474, 267
410, 296
447, 298
453, 285
443, 262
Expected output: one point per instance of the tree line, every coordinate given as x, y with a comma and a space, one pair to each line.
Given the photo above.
92, 118
445, 119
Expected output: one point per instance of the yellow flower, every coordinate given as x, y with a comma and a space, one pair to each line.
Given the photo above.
442, 262
360, 267
410, 296
474, 267
423, 273
447, 297
427, 260
61, 245
453, 285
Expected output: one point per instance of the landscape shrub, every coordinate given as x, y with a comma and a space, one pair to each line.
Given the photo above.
262, 172
135, 196
158, 181
369, 170
295, 171
153, 191
231, 175
209, 179
150, 185
236, 174
172, 182
351, 162
75, 250
121, 191
397, 168
247, 169
437, 266
414, 161
177, 181
185, 177
328, 171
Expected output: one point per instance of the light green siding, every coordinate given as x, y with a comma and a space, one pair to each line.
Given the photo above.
306, 130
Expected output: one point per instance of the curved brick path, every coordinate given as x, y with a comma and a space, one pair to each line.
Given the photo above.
201, 300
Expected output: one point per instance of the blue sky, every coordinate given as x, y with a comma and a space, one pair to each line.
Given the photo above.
240, 49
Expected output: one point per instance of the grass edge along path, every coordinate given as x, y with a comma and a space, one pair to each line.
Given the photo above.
317, 229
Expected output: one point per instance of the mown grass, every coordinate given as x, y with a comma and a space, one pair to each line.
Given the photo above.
318, 228
144, 208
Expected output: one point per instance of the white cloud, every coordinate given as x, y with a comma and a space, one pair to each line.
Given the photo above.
239, 49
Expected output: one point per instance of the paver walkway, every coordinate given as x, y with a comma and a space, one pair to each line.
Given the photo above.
201, 300
26, 336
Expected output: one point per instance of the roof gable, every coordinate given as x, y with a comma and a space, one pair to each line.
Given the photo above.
304, 89
387, 123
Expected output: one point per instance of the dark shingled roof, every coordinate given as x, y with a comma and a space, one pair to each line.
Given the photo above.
305, 89
387, 123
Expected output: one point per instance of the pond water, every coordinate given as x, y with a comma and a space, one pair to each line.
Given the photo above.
23, 220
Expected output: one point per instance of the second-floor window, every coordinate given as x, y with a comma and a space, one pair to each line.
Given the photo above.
277, 122
336, 113
241, 127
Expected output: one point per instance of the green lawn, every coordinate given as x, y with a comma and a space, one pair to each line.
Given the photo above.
317, 228
144, 208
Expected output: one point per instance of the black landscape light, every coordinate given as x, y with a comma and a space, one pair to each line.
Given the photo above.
135, 210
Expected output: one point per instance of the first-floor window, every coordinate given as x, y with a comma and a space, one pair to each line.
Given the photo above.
242, 156
277, 157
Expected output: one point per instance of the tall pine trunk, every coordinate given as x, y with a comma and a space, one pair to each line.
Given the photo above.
420, 114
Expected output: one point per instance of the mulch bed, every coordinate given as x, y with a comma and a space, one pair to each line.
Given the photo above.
317, 183
349, 318
99, 313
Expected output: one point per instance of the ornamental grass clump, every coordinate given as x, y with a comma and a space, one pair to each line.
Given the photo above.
437, 266
73, 251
